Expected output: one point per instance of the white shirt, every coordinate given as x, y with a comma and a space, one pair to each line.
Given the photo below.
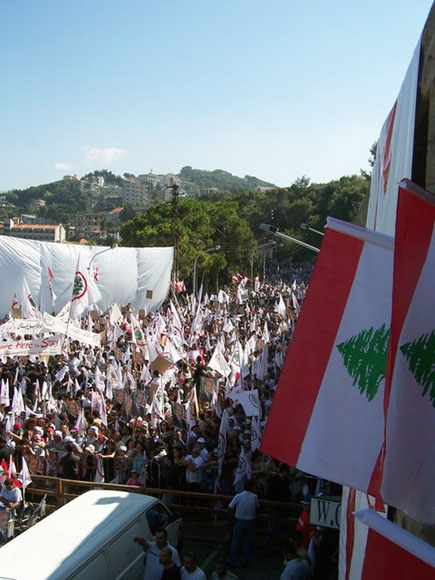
246, 504
11, 496
153, 568
197, 574
297, 569
194, 476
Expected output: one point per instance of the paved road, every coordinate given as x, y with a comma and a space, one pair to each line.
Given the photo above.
211, 541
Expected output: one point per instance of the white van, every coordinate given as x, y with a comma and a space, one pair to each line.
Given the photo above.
90, 538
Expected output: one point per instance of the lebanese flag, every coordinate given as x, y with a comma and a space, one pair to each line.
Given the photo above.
327, 416
409, 468
393, 553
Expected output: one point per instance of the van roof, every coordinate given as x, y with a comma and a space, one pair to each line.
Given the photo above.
68, 537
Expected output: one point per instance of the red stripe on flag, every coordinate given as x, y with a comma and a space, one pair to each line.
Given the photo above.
413, 238
311, 346
350, 530
385, 559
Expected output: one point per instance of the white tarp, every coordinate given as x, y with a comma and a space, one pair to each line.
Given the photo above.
139, 276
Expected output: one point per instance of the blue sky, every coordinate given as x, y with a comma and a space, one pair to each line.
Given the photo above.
271, 88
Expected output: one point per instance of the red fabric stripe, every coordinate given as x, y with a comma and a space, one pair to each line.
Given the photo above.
414, 227
386, 560
350, 530
310, 349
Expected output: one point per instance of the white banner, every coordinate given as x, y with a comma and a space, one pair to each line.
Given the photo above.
54, 325
49, 345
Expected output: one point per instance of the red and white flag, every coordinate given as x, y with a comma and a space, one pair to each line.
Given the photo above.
409, 465
85, 291
50, 286
393, 553
327, 416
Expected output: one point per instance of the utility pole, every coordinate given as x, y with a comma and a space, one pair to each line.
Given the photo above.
175, 227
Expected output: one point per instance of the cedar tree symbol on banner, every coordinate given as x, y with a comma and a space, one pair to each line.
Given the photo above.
420, 356
365, 358
80, 286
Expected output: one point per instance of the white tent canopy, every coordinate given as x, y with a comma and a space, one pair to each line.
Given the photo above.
139, 276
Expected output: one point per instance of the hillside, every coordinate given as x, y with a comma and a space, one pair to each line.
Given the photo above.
221, 180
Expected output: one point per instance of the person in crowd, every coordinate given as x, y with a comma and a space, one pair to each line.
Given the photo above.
296, 568
170, 570
190, 569
223, 572
154, 568
245, 505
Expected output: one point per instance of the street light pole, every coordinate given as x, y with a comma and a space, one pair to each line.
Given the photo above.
114, 245
274, 230
196, 260
307, 227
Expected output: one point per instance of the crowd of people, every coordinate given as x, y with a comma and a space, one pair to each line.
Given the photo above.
176, 399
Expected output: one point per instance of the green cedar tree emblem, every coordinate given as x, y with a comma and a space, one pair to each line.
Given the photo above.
32, 302
365, 358
420, 354
78, 285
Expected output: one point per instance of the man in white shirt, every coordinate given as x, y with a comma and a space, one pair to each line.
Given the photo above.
154, 569
193, 463
245, 504
191, 570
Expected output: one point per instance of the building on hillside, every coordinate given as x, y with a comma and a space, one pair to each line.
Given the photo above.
135, 192
37, 203
17, 228
90, 224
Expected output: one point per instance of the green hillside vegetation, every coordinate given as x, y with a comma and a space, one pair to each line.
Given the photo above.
232, 219
220, 179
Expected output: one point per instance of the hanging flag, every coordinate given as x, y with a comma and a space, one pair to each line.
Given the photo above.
137, 334
24, 476
250, 402
394, 153
4, 393
176, 326
99, 471
218, 361
280, 307
393, 553
409, 467
327, 416
255, 434
100, 380
243, 467
222, 440
85, 291
50, 287
28, 306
